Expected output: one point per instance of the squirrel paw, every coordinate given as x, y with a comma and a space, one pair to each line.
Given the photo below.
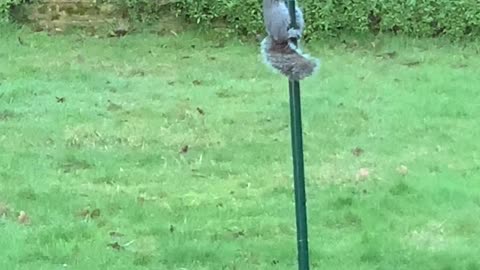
294, 33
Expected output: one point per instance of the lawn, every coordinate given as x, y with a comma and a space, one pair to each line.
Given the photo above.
173, 152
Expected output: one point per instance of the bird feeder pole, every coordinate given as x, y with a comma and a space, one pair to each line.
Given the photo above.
298, 167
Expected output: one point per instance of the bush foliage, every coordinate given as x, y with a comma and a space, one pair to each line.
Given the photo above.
145, 10
5, 6
420, 18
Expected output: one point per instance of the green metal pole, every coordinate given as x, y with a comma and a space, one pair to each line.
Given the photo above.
298, 168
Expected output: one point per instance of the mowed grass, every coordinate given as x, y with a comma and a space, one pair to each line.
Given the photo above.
164, 152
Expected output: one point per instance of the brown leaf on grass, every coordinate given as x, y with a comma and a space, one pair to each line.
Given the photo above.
23, 218
357, 151
402, 170
115, 245
200, 111
116, 234
363, 174
113, 107
386, 55
95, 213
141, 199
120, 32
20, 41
184, 149
411, 63
197, 82
85, 213
238, 234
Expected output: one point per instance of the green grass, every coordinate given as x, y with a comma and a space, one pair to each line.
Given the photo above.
91, 123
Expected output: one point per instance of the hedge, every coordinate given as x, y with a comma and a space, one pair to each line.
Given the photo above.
5, 6
140, 10
418, 18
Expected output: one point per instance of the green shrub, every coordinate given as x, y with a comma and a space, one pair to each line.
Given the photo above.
419, 18
243, 16
145, 10
5, 7
422, 18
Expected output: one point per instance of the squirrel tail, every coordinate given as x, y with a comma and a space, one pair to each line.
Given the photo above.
288, 60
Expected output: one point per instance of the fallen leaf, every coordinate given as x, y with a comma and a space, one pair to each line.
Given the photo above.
196, 82
363, 174
403, 170
412, 63
239, 234
116, 246
357, 151
23, 218
20, 41
387, 55
113, 107
141, 199
84, 213
95, 213
116, 234
120, 32
184, 149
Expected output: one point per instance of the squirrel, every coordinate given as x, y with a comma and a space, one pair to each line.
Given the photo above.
277, 48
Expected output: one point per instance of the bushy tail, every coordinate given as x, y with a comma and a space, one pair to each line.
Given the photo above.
288, 60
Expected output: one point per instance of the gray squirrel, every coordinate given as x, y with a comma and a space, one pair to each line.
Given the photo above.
277, 48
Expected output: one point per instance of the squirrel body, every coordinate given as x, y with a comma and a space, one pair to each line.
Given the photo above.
278, 50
